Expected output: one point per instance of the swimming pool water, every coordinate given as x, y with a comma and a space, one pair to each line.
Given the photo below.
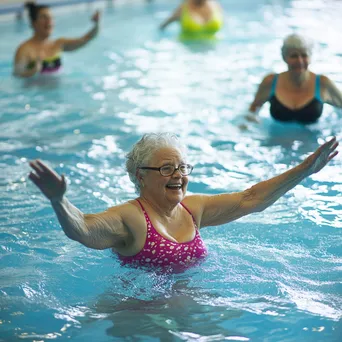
272, 276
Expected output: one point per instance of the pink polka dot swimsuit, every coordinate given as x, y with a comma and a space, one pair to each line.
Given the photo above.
161, 252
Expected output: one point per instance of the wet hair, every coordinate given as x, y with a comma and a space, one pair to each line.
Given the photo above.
144, 149
296, 41
34, 9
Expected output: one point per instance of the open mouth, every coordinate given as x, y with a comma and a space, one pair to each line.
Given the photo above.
174, 186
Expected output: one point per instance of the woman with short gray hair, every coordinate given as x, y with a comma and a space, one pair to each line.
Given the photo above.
296, 95
160, 228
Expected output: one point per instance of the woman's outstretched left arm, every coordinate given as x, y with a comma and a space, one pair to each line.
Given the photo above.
224, 208
67, 44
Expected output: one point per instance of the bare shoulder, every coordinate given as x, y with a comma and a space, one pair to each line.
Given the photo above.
195, 204
191, 200
325, 80
124, 210
59, 42
268, 79
130, 214
24, 47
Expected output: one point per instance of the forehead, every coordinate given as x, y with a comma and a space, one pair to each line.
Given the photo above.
44, 12
167, 154
297, 51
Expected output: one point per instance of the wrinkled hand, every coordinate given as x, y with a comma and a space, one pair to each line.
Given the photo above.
96, 17
322, 156
50, 183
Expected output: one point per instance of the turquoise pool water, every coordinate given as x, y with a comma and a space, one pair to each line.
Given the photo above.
272, 276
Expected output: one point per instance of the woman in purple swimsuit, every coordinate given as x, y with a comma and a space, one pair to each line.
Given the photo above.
160, 228
296, 95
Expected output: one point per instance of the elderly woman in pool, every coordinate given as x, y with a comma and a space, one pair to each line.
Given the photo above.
161, 226
40, 54
297, 94
197, 18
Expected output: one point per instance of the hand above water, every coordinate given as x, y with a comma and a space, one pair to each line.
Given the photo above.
316, 161
50, 183
96, 17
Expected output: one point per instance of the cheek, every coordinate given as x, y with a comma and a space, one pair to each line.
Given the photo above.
41, 23
156, 184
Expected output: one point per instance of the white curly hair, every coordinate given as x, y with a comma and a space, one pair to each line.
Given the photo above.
296, 41
144, 149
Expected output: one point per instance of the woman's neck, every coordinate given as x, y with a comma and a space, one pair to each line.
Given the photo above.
40, 38
162, 209
298, 79
197, 2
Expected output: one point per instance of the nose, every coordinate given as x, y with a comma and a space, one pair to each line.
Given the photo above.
176, 173
300, 59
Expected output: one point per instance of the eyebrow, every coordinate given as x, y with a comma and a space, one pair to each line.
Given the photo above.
171, 163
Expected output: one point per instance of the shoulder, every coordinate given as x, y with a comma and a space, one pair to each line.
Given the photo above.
24, 47
129, 212
266, 82
125, 209
59, 42
325, 80
195, 204
327, 84
268, 79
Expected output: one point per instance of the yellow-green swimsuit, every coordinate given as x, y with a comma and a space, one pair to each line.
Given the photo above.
193, 30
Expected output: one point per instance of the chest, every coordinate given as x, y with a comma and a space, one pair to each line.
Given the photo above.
179, 230
201, 15
45, 51
295, 97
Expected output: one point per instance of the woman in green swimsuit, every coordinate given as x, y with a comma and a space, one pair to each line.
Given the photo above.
198, 18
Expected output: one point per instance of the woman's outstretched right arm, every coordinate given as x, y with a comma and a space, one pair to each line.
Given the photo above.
98, 231
261, 96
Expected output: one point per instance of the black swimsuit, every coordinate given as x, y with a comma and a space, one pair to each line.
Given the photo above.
307, 114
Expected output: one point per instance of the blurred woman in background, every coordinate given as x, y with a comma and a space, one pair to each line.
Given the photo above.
40, 54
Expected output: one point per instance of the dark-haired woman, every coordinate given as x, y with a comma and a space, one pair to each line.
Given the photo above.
40, 54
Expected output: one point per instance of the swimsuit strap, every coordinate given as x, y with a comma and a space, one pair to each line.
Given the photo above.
193, 219
149, 221
145, 213
274, 85
318, 88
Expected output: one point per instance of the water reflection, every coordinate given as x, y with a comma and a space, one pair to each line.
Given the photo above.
176, 312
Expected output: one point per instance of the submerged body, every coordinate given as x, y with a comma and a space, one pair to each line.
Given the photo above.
159, 251
308, 113
41, 54
160, 228
199, 19
193, 26
296, 95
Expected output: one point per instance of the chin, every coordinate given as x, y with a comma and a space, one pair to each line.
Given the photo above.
177, 198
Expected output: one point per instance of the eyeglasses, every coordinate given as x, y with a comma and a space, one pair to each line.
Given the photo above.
169, 170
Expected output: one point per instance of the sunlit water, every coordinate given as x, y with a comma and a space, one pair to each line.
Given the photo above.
272, 276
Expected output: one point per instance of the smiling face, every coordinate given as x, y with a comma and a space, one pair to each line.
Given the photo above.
297, 60
43, 25
168, 190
